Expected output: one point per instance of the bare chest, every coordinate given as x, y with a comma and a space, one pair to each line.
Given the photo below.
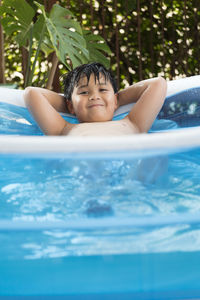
122, 127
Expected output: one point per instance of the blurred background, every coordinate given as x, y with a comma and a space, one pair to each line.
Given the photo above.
137, 39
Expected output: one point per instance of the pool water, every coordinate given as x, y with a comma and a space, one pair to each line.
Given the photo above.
39, 189
98, 262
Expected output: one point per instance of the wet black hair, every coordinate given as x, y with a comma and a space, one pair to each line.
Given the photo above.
72, 78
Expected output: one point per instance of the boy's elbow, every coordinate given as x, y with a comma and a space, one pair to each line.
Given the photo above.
161, 86
28, 92
162, 82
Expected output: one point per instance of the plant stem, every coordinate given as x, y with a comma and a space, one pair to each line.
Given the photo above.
29, 57
30, 79
52, 71
2, 59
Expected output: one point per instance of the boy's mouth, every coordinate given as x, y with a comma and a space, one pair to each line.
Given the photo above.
95, 105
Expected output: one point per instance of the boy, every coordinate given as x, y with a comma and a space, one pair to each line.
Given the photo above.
91, 94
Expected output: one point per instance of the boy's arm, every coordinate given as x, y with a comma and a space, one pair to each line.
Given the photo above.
43, 105
149, 96
56, 100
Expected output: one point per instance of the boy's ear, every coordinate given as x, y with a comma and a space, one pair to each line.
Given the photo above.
116, 101
70, 107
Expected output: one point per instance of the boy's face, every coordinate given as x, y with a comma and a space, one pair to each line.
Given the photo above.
93, 101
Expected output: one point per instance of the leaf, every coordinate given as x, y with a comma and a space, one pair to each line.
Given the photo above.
96, 44
46, 45
99, 57
58, 12
66, 35
17, 18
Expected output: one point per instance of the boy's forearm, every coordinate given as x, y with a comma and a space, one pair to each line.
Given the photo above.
46, 116
133, 93
56, 100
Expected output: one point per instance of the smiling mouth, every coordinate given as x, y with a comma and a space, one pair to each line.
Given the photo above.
94, 105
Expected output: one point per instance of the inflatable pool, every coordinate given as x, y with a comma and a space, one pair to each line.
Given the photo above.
106, 145
87, 218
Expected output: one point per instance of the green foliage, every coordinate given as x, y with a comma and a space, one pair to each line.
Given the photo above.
17, 18
66, 35
166, 43
95, 44
57, 31
46, 45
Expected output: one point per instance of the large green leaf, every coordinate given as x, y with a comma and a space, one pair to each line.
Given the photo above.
17, 18
66, 35
95, 45
46, 45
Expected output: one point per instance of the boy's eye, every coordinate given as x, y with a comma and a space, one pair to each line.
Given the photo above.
103, 90
83, 93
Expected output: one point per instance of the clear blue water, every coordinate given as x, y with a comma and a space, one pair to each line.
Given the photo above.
105, 262
38, 189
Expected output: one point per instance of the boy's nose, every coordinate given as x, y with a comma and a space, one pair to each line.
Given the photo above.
94, 96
